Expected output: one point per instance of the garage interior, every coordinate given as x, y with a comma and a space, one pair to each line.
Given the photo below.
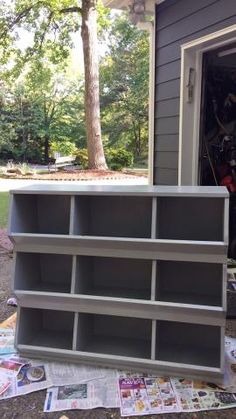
217, 153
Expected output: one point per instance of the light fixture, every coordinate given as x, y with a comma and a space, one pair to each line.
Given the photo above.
190, 84
137, 11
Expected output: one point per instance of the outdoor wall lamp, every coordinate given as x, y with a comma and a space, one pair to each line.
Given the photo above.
190, 84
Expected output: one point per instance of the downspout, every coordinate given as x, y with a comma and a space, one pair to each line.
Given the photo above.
150, 26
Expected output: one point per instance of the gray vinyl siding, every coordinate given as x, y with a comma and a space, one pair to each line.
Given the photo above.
178, 22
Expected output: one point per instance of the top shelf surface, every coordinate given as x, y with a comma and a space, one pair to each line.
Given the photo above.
170, 191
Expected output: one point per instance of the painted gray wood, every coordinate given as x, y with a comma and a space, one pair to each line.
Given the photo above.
167, 125
194, 345
115, 277
166, 176
166, 159
178, 22
173, 369
133, 277
168, 107
128, 307
115, 335
147, 191
176, 12
43, 272
167, 143
190, 283
193, 251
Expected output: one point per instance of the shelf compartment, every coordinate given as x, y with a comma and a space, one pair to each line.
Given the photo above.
115, 277
40, 214
113, 216
183, 218
43, 272
189, 283
114, 335
187, 343
45, 328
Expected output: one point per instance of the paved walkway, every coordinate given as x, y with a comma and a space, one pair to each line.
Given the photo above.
7, 184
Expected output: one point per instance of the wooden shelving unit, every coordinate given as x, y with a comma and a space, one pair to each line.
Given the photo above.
130, 277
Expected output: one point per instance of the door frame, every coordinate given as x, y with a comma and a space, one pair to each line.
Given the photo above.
190, 100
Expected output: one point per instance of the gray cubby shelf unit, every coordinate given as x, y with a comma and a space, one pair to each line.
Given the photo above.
130, 277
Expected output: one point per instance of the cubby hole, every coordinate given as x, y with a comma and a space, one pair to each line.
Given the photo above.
114, 216
186, 343
40, 214
189, 283
114, 335
114, 277
190, 219
43, 272
47, 328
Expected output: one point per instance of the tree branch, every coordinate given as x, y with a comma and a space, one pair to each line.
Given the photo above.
45, 30
74, 9
21, 15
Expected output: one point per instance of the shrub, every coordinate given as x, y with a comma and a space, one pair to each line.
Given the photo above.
64, 147
82, 157
118, 158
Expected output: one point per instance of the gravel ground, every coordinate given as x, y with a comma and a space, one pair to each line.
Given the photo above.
31, 405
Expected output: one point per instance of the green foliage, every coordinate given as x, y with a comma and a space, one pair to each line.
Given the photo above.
118, 158
43, 105
82, 158
4, 206
64, 147
124, 87
51, 22
39, 105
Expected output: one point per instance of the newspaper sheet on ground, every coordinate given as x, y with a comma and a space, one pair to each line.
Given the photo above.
202, 399
12, 363
156, 395
6, 341
142, 396
102, 392
26, 376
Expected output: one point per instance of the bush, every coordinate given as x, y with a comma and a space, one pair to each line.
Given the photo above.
118, 158
82, 157
64, 147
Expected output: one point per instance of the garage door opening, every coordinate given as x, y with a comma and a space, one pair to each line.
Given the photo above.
217, 145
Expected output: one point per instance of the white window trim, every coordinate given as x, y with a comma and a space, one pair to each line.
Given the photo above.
150, 27
189, 123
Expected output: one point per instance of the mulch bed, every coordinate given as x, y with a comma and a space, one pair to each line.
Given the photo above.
75, 175
5, 243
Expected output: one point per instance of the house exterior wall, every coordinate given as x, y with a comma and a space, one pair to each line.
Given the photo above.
178, 22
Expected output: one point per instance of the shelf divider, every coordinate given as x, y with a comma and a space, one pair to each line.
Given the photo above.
153, 343
154, 218
153, 283
226, 220
72, 215
75, 331
73, 275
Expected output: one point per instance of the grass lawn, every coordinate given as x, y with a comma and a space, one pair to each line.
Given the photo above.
4, 205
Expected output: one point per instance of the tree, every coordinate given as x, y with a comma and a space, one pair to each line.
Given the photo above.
40, 108
96, 157
52, 22
124, 87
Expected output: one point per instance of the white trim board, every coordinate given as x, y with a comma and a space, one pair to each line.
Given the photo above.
189, 122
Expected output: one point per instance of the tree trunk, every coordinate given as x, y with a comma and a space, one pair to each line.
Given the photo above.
96, 157
46, 148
